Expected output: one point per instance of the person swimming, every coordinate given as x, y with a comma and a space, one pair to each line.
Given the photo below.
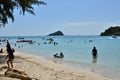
58, 56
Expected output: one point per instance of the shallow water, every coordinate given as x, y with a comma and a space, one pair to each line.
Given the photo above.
77, 51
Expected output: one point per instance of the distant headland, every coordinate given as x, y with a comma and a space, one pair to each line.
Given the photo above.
57, 33
113, 30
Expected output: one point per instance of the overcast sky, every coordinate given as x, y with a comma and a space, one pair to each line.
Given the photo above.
72, 17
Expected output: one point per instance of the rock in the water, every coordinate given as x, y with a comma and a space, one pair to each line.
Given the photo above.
57, 33
114, 30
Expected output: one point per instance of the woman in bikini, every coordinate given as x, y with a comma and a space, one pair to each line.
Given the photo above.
10, 55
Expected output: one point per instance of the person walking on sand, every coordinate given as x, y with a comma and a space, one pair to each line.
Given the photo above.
10, 55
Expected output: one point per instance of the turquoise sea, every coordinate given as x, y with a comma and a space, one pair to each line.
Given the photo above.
77, 51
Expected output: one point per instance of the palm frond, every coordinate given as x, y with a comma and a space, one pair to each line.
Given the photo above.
7, 8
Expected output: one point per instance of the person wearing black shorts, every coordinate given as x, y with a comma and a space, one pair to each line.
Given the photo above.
10, 55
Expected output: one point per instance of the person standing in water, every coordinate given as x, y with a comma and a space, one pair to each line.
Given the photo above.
94, 53
10, 55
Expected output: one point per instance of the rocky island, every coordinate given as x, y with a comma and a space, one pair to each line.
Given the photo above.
111, 31
57, 33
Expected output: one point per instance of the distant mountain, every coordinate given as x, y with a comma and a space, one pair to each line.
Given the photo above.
111, 31
57, 33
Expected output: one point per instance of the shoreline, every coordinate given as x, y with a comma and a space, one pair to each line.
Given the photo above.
44, 69
94, 68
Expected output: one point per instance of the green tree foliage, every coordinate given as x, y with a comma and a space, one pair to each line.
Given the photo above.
7, 8
111, 31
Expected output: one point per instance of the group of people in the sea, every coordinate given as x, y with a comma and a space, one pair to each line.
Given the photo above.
94, 54
61, 55
10, 56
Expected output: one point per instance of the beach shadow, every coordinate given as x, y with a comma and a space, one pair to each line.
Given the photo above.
2, 70
14, 73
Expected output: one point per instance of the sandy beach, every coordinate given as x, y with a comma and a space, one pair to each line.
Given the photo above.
38, 68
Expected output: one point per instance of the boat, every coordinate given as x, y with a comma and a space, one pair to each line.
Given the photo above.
51, 39
24, 41
20, 38
113, 36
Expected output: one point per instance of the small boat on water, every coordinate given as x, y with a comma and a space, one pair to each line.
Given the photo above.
20, 38
51, 39
24, 40
113, 36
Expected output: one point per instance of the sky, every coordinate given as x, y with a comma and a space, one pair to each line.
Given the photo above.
72, 17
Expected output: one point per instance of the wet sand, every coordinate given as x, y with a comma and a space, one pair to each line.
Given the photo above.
40, 68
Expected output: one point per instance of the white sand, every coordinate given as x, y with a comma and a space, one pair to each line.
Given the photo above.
43, 69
